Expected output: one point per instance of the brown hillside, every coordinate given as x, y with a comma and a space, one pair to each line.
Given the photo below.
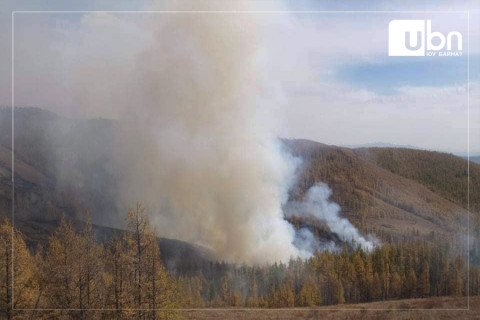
394, 193
442, 173
377, 199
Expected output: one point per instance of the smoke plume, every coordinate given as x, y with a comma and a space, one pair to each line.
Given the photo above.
316, 205
198, 114
202, 137
208, 116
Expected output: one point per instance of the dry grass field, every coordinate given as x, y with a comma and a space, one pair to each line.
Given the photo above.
452, 308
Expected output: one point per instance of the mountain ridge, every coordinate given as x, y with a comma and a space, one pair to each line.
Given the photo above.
393, 193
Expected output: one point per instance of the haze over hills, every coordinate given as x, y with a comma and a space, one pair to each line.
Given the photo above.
475, 159
65, 166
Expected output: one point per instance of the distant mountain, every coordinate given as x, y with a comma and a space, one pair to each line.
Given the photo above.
465, 154
475, 159
379, 145
474, 156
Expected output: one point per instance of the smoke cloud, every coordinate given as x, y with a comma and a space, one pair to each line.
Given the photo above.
202, 119
317, 205
212, 163
198, 114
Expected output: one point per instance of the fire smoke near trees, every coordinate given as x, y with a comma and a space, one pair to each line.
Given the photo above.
215, 166
200, 113
196, 116
316, 205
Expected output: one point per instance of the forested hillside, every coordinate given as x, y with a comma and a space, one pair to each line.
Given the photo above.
413, 201
58, 174
394, 193
394, 204
74, 271
444, 174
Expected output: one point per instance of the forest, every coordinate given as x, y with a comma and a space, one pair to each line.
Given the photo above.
124, 278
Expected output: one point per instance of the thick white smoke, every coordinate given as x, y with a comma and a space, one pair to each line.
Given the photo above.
198, 112
213, 172
317, 205
199, 145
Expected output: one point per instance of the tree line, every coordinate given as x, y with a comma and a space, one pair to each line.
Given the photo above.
124, 278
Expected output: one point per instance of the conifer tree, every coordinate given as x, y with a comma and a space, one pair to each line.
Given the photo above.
424, 283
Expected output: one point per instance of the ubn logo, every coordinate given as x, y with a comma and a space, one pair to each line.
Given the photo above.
408, 38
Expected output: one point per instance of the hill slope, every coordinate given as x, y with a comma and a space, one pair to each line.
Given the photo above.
444, 174
43, 195
393, 192
377, 196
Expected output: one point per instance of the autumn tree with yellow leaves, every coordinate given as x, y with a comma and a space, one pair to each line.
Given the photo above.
125, 278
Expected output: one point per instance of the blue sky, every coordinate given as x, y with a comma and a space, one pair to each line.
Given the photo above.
386, 78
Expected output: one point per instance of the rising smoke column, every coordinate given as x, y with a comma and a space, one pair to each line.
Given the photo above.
198, 117
200, 149
316, 205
